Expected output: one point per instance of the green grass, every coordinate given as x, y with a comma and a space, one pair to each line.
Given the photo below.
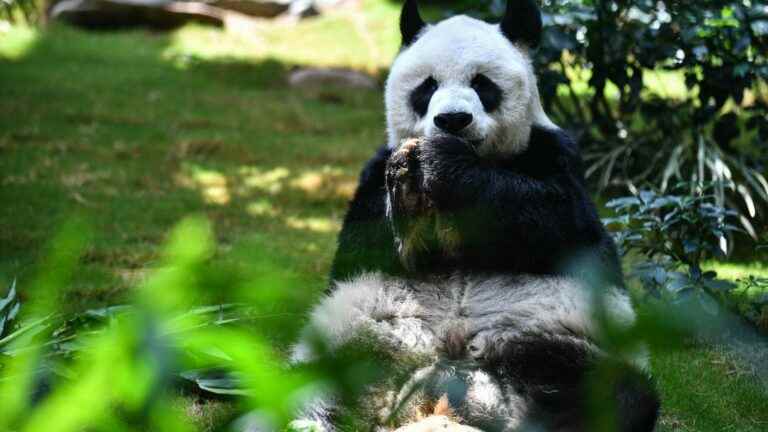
706, 389
736, 271
135, 132
138, 129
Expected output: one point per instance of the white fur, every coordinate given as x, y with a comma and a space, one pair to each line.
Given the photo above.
367, 304
453, 52
411, 316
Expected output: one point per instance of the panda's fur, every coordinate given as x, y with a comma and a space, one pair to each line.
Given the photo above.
458, 249
454, 51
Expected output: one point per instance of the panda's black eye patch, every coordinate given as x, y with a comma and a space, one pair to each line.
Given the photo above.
422, 94
490, 94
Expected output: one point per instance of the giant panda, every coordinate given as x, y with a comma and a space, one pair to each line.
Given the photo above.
456, 257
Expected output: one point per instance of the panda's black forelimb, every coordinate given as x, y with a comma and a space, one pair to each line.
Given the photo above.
366, 241
573, 388
529, 213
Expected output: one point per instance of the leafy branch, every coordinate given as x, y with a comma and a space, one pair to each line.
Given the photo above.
675, 234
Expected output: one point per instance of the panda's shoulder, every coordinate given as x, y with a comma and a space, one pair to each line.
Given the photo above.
554, 137
550, 150
367, 203
553, 143
374, 169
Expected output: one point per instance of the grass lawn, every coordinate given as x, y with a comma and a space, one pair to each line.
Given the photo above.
137, 130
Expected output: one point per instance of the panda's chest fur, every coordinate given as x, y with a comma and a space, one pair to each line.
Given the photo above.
455, 324
456, 317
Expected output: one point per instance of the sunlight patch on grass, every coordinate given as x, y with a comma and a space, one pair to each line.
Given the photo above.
16, 41
315, 224
734, 271
213, 185
326, 182
261, 207
222, 187
210, 43
370, 40
270, 181
740, 272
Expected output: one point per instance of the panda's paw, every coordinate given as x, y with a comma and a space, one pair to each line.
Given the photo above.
410, 145
443, 160
404, 178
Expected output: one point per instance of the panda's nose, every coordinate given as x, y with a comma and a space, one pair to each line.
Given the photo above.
453, 122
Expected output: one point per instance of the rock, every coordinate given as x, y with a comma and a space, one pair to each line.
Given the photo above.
255, 8
316, 78
115, 14
168, 14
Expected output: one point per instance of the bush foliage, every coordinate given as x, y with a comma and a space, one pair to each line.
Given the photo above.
127, 364
14, 11
672, 236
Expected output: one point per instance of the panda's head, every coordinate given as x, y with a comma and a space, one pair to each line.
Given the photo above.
465, 77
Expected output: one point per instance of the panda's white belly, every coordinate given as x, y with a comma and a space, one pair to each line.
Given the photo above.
415, 314
450, 321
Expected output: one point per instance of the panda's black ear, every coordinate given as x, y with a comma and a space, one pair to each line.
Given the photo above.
410, 22
522, 22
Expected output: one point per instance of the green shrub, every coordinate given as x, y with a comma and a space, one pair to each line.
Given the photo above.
670, 237
14, 11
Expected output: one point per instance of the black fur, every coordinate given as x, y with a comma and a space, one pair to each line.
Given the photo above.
490, 94
522, 22
411, 23
562, 376
366, 241
421, 95
527, 214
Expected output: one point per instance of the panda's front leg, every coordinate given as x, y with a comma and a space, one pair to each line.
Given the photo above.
405, 181
409, 208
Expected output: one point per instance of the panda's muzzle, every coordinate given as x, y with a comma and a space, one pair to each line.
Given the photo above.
453, 122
